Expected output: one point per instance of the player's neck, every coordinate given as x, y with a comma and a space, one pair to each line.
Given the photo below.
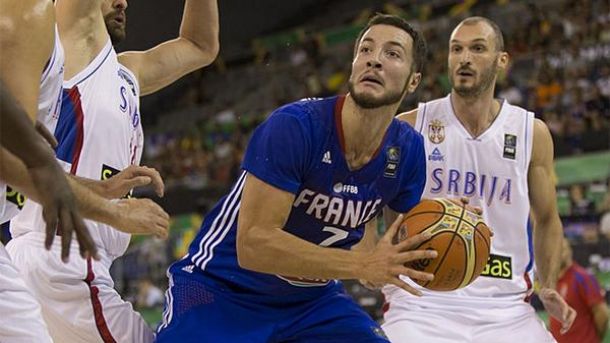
363, 130
476, 113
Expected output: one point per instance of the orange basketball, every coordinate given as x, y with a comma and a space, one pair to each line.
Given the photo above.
460, 237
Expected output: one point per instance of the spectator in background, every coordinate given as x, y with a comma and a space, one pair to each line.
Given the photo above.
582, 292
604, 222
580, 205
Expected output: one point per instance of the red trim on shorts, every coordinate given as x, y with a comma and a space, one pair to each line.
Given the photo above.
100, 321
74, 95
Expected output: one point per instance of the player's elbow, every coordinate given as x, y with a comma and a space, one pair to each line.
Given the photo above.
207, 51
246, 249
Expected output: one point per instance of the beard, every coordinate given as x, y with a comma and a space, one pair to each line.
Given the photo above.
115, 30
487, 80
368, 101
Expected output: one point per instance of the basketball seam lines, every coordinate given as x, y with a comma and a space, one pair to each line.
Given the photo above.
450, 242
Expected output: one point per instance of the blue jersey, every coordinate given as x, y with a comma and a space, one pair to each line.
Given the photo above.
300, 149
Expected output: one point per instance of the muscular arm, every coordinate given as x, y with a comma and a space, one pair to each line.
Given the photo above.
26, 43
547, 225
91, 205
196, 46
263, 246
600, 317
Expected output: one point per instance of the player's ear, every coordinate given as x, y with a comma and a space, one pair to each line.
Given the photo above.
503, 60
413, 82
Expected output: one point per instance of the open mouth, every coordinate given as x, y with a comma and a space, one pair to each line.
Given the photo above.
120, 19
465, 73
372, 79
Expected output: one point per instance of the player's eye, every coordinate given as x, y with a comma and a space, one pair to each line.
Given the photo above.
365, 49
456, 48
393, 54
478, 48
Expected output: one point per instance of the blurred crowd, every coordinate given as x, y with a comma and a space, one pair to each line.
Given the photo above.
560, 70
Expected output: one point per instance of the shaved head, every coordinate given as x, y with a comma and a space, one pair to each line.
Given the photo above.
498, 39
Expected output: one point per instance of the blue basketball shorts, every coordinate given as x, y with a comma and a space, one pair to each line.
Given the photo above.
198, 311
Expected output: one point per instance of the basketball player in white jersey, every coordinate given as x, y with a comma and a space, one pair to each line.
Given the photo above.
30, 49
501, 158
99, 133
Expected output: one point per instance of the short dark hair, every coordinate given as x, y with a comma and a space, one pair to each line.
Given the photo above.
499, 39
419, 43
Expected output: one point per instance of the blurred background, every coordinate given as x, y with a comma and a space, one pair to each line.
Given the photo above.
274, 52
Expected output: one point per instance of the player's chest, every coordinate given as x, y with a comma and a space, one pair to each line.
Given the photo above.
113, 105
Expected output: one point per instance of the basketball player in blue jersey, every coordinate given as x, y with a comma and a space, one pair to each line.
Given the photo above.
316, 173
501, 158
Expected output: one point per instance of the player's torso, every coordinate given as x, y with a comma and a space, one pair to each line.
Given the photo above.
99, 133
491, 170
99, 127
330, 209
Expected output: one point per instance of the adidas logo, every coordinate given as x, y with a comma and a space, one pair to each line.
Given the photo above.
326, 159
436, 156
189, 268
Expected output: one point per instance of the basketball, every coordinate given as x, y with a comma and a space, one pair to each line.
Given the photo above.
460, 237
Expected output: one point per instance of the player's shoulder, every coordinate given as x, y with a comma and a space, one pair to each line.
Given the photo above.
309, 112
406, 135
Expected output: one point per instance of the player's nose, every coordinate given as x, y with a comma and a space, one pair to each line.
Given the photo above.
373, 62
120, 4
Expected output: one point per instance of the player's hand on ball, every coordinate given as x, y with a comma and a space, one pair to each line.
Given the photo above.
132, 177
557, 308
141, 217
386, 262
464, 201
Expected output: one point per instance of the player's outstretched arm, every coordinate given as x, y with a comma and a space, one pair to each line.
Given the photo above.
196, 46
47, 185
121, 184
263, 246
548, 231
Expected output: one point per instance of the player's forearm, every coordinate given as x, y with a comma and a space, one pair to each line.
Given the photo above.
274, 251
200, 26
547, 242
91, 205
98, 187
15, 174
